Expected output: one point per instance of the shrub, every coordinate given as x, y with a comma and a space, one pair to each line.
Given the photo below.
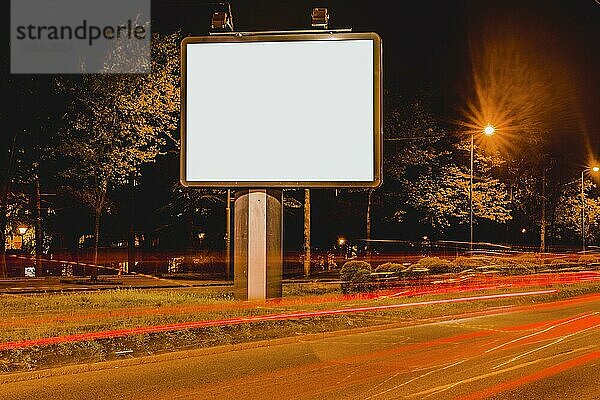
470, 262
391, 267
528, 259
436, 265
416, 271
561, 263
588, 259
355, 276
520, 269
521, 264
501, 262
354, 271
361, 275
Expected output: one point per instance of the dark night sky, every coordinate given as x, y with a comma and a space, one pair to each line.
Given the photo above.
417, 39
426, 44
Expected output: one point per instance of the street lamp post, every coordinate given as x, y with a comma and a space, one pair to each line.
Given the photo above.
593, 169
489, 130
582, 214
21, 231
341, 242
471, 195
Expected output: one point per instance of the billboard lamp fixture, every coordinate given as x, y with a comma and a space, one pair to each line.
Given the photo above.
319, 18
221, 20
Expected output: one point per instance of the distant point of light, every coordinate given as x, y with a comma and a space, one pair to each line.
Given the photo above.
489, 130
595, 169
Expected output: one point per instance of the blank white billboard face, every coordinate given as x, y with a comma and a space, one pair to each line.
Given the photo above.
282, 113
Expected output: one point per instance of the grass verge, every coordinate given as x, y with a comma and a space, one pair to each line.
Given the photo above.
30, 317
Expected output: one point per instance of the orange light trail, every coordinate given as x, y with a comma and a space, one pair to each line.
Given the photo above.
433, 286
237, 321
536, 376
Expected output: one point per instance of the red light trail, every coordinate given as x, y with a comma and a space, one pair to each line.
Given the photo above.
544, 373
237, 321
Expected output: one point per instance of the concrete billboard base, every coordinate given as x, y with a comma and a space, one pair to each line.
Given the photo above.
258, 244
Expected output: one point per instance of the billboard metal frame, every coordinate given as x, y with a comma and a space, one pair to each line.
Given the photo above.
281, 37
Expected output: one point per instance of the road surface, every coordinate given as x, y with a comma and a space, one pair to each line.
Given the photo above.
544, 351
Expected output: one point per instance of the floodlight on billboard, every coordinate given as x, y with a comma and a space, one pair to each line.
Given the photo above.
284, 110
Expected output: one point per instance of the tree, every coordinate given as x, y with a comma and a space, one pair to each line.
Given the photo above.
5, 187
368, 223
306, 232
186, 204
429, 170
117, 124
28, 144
445, 199
411, 132
569, 213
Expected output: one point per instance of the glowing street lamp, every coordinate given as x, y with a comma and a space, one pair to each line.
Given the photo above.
488, 130
341, 242
21, 231
593, 169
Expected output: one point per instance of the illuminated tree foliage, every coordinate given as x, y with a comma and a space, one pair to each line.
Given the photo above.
445, 199
430, 169
118, 123
568, 213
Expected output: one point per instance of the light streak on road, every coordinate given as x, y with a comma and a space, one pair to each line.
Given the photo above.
536, 376
415, 378
259, 318
560, 339
568, 321
446, 286
445, 387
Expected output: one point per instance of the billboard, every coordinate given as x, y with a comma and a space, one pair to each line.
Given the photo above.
285, 110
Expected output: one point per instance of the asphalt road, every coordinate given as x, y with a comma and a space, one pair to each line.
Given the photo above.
549, 351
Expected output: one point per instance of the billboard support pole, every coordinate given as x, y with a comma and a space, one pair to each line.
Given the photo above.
258, 244
228, 235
